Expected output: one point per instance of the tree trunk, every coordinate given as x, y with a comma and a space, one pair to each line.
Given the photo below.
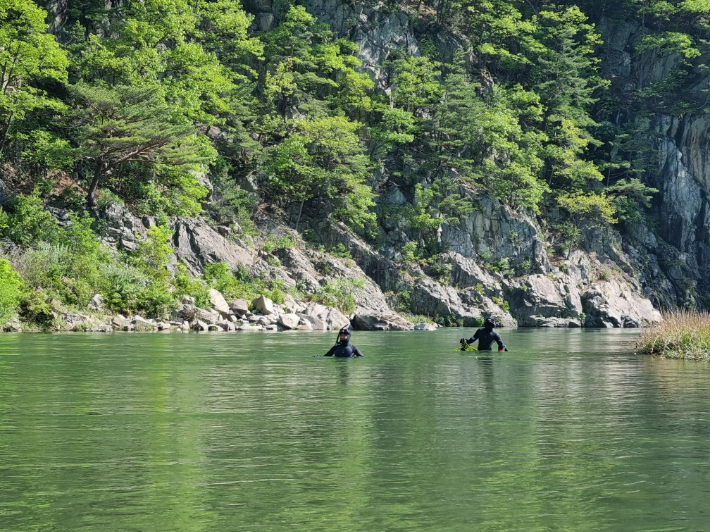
300, 211
99, 173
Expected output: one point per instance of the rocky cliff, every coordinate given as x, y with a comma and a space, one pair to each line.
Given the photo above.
496, 261
500, 261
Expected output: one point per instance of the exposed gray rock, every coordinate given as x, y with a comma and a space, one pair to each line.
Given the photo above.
331, 317
315, 324
496, 232
120, 322
142, 325
240, 307
391, 322
250, 328
123, 229
196, 243
300, 268
97, 302
539, 321
538, 296
615, 304
264, 305
465, 273
218, 302
289, 321
200, 326
425, 327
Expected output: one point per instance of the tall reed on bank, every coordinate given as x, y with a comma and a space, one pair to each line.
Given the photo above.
683, 334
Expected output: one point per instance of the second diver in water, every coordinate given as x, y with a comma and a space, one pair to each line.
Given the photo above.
343, 347
485, 336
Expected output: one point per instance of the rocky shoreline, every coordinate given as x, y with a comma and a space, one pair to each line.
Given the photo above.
222, 317
585, 289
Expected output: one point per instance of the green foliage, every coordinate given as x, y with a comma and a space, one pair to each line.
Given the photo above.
308, 68
588, 210
229, 200
28, 222
30, 59
629, 196
272, 243
187, 285
12, 288
128, 132
35, 308
123, 286
323, 159
319, 156
339, 293
404, 301
449, 320
340, 251
220, 277
409, 252
152, 257
488, 139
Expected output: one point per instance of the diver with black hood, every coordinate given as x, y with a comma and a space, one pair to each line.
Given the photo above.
485, 336
343, 347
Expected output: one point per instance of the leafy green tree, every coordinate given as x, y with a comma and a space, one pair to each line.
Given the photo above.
324, 160
395, 127
588, 210
115, 128
308, 70
12, 287
28, 222
416, 87
152, 257
629, 196
491, 139
566, 80
30, 59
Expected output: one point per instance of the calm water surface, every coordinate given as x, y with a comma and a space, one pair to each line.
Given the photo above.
569, 430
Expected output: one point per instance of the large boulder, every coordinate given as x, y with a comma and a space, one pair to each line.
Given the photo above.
240, 307
614, 303
289, 321
264, 305
539, 296
331, 317
389, 322
97, 302
218, 302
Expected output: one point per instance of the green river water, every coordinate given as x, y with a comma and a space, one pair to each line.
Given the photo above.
569, 430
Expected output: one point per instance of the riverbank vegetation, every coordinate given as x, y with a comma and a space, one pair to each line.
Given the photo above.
683, 334
193, 108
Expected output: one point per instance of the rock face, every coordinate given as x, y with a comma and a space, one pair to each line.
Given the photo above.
495, 232
611, 304
196, 243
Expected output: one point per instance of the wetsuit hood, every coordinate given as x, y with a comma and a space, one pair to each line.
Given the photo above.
342, 331
489, 324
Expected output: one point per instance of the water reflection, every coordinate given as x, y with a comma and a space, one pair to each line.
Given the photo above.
568, 430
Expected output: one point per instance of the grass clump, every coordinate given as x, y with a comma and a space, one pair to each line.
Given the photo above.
683, 334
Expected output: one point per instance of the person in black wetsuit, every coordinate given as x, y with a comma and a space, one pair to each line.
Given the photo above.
343, 348
486, 336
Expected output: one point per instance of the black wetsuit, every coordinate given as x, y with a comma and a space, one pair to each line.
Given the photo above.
345, 350
485, 338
